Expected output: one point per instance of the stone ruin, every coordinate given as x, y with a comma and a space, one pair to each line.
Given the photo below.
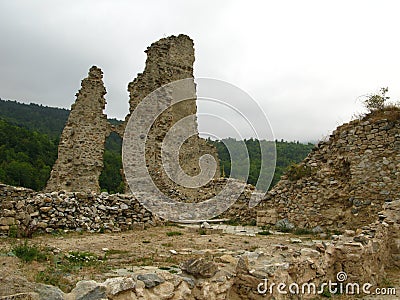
344, 182
348, 185
81, 148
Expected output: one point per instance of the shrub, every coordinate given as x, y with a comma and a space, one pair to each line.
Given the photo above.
296, 172
376, 101
28, 253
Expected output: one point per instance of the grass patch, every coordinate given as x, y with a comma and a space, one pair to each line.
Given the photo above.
264, 232
167, 245
29, 253
202, 231
302, 231
173, 233
81, 258
284, 229
55, 277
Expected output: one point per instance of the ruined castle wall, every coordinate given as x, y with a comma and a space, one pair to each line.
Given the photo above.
346, 179
81, 147
168, 60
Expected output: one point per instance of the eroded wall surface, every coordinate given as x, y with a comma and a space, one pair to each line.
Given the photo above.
80, 151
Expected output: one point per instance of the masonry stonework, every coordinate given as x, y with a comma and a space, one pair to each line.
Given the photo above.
81, 147
168, 60
344, 181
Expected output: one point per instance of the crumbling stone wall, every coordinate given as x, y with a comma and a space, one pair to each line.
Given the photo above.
344, 182
25, 211
81, 147
168, 60
30, 211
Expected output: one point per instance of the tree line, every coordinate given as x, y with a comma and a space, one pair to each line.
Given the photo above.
29, 136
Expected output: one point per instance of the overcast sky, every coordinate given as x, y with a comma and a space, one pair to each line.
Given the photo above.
305, 62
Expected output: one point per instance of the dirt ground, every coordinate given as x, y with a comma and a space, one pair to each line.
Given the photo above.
163, 247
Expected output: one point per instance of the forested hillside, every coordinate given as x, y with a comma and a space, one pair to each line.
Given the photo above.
29, 137
47, 120
287, 153
46, 123
26, 157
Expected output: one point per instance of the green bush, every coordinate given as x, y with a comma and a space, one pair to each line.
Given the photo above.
28, 253
296, 172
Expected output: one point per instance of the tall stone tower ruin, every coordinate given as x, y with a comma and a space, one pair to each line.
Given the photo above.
168, 60
81, 147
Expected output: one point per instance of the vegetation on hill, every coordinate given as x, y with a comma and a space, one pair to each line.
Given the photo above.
26, 157
287, 153
47, 120
29, 137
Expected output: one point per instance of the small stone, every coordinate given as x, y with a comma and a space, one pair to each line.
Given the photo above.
295, 241
150, 280
117, 285
242, 266
349, 233
88, 290
317, 229
205, 225
309, 252
200, 267
226, 258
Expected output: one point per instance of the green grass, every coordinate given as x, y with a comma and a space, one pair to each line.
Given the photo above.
302, 231
265, 232
81, 258
29, 253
